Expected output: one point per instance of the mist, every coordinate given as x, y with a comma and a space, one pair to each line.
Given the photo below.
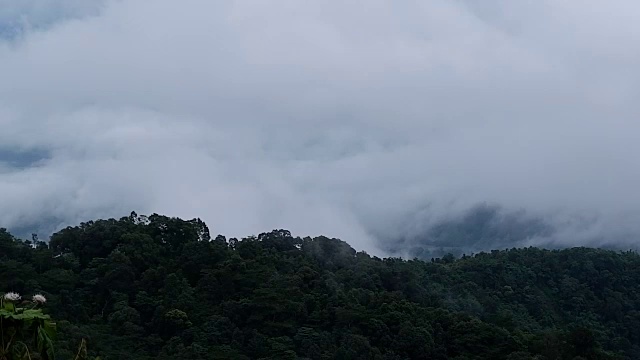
371, 121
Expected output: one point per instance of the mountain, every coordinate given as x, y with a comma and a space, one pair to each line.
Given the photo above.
163, 288
488, 227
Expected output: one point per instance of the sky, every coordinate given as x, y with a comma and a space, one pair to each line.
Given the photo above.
363, 120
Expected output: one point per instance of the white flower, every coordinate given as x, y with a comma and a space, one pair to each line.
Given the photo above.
11, 296
39, 298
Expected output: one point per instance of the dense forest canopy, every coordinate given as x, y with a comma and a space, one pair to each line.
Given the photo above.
158, 287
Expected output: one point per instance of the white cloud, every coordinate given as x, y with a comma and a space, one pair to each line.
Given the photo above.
322, 117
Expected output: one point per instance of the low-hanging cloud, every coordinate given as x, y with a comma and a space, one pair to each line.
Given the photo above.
360, 119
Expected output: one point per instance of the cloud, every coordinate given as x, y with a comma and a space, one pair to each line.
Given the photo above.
358, 120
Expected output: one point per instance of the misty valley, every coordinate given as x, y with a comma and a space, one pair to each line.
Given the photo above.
158, 287
384, 180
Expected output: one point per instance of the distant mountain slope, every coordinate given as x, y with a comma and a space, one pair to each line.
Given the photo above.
487, 227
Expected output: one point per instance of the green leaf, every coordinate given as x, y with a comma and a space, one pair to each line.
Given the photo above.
45, 344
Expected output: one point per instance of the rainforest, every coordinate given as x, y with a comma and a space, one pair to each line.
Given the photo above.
158, 287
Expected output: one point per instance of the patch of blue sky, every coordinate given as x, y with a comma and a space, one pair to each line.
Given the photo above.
22, 158
18, 17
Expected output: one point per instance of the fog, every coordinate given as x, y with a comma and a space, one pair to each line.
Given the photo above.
364, 120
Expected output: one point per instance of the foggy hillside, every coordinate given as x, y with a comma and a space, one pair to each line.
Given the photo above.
489, 227
156, 287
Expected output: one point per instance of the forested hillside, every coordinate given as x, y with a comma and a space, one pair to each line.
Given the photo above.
162, 288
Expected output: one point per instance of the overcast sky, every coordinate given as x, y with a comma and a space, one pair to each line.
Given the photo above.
343, 118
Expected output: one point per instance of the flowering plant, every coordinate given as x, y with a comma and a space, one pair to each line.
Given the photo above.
25, 331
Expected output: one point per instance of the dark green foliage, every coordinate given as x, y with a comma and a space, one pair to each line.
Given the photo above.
161, 288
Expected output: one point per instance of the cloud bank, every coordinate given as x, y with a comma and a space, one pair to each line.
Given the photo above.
360, 119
